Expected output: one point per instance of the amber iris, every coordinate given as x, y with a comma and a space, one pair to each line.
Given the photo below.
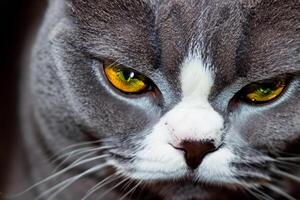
264, 91
125, 79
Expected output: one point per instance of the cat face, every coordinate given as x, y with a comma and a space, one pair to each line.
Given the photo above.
218, 97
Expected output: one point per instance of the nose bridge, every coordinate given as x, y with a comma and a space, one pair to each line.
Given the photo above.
195, 122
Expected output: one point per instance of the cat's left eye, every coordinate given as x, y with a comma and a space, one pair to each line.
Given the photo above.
263, 92
126, 79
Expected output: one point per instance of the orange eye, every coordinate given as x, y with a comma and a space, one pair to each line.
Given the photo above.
263, 92
125, 79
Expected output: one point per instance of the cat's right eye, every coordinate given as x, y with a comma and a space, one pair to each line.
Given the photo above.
263, 92
126, 79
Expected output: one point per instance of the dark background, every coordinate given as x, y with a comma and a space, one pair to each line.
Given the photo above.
18, 21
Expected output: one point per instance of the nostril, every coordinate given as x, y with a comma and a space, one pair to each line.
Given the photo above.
195, 151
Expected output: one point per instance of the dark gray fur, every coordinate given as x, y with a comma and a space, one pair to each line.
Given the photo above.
67, 100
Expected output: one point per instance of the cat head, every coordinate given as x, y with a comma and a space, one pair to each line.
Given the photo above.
189, 92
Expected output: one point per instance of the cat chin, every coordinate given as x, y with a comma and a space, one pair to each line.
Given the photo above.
188, 191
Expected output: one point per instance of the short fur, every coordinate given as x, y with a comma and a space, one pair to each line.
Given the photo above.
67, 99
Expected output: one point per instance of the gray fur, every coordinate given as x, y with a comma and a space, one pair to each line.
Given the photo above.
66, 99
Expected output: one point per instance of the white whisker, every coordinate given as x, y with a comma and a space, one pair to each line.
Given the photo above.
264, 195
112, 188
280, 192
287, 165
66, 183
101, 184
68, 154
286, 175
255, 194
57, 174
73, 146
294, 159
79, 159
76, 161
130, 191
78, 152
124, 188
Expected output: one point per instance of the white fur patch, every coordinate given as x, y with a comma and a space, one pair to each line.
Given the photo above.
196, 80
192, 119
215, 167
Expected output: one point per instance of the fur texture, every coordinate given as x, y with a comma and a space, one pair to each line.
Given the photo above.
199, 54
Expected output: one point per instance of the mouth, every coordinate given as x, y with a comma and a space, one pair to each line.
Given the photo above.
189, 187
217, 176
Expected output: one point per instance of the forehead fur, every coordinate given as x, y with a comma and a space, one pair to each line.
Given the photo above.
238, 38
164, 31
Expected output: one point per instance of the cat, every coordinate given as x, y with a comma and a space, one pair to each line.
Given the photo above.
163, 99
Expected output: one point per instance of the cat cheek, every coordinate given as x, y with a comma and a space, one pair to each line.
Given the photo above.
216, 167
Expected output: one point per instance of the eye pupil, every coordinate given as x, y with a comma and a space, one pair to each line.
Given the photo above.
264, 91
129, 75
126, 75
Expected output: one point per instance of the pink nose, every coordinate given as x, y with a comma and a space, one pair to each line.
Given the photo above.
194, 152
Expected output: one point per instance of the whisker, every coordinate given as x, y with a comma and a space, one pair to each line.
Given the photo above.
101, 184
280, 192
81, 158
114, 187
80, 151
124, 188
142, 189
75, 164
266, 196
57, 174
75, 145
286, 174
68, 155
66, 183
255, 194
287, 154
76, 161
287, 165
294, 159
131, 191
